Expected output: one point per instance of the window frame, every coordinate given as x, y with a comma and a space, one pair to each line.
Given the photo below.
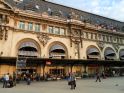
37, 27
30, 26
21, 25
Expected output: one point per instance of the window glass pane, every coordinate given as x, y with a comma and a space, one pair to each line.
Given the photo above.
62, 31
50, 29
37, 27
30, 26
56, 30
21, 25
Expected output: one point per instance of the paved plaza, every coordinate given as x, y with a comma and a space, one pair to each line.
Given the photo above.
109, 85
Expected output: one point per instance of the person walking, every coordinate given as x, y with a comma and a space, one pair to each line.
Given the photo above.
98, 77
72, 81
4, 81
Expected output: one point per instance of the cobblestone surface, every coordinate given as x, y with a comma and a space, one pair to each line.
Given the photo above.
109, 85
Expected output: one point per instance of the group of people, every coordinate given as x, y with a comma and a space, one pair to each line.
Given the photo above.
7, 81
10, 81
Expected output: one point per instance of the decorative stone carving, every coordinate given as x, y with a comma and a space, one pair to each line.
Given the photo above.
75, 33
116, 47
76, 50
4, 19
3, 32
76, 40
45, 14
101, 45
43, 38
74, 15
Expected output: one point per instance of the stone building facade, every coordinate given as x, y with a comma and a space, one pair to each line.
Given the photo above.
44, 30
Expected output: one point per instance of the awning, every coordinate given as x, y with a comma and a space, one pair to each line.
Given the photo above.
110, 57
122, 58
28, 44
57, 47
92, 50
94, 56
109, 51
28, 53
121, 53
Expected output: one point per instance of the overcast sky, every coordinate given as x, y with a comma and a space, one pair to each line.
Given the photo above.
109, 8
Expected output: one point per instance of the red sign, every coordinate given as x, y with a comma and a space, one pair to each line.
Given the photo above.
48, 63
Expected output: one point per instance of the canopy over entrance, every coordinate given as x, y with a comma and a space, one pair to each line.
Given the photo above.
109, 54
93, 53
57, 51
121, 54
28, 49
42, 61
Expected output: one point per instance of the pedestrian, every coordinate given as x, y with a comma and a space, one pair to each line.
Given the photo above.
103, 75
14, 78
4, 81
10, 81
98, 77
28, 79
72, 81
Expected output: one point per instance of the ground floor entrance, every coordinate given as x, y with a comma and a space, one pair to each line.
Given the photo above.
55, 67
57, 71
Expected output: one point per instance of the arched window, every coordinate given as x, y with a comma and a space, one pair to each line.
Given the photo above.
109, 54
28, 49
93, 53
57, 51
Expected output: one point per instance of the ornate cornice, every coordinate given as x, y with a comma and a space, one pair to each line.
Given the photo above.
43, 38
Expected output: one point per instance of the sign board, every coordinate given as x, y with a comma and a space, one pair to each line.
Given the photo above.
48, 63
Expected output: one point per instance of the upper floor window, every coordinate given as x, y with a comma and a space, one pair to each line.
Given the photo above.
50, 29
92, 36
37, 27
103, 37
87, 35
111, 39
62, 31
56, 30
107, 38
21, 25
0, 18
30, 26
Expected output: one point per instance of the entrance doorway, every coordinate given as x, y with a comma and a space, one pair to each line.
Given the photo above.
30, 71
57, 71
